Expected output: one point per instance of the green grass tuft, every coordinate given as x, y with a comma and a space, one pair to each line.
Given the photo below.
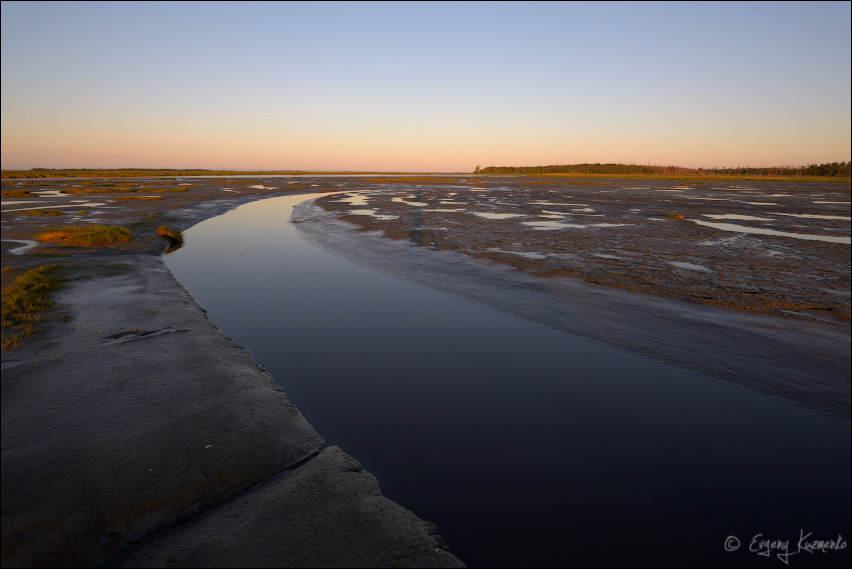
86, 235
24, 301
139, 198
175, 237
40, 212
18, 194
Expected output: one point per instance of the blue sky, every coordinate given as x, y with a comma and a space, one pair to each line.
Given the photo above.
423, 86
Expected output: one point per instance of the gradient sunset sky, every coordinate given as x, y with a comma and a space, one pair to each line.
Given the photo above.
423, 86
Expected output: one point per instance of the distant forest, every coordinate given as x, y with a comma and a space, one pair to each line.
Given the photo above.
833, 169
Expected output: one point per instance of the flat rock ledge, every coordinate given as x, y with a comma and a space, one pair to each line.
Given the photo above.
136, 433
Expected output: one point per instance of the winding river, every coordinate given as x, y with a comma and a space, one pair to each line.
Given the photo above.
525, 445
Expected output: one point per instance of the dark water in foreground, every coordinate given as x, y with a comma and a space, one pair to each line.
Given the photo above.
526, 446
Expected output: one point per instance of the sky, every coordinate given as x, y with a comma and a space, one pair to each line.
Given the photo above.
423, 87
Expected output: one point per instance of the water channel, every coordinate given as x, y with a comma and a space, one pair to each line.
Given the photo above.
525, 445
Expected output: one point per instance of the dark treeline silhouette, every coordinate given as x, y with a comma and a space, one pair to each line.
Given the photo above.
827, 169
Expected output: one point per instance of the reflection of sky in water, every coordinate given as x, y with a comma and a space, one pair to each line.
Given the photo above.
690, 266
525, 254
762, 231
813, 216
414, 204
33, 208
372, 213
496, 215
737, 216
27, 245
354, 199
544, 225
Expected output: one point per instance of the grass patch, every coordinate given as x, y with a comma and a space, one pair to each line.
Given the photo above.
83, 212
86, 235
24, 301
139, 198
175, 237
40, 212
100, 190
18, 194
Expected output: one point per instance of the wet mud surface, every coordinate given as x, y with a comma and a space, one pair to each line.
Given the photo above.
761, 246
768, 247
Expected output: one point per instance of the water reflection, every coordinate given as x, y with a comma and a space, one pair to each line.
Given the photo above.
763, 231
525, 445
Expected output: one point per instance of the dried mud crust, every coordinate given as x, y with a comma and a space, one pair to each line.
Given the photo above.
638, 235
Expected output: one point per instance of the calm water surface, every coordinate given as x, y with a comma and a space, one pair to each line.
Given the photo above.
526, 446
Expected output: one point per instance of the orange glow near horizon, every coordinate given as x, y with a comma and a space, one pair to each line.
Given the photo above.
324, 147
373, 88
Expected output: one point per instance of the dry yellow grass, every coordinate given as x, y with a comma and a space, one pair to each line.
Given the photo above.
24, 301
138, 198
40, 212
173, 235
85, 235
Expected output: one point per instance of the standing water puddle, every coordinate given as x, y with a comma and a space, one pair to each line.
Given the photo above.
526, 446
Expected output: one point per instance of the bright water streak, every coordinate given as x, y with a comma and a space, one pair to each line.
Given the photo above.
525, 445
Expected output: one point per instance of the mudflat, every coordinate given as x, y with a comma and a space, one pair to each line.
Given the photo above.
136, 432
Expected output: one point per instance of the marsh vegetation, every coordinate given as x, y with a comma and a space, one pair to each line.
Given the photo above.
25, 300
85, 235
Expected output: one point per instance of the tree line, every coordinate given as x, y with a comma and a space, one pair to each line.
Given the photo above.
831, 169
